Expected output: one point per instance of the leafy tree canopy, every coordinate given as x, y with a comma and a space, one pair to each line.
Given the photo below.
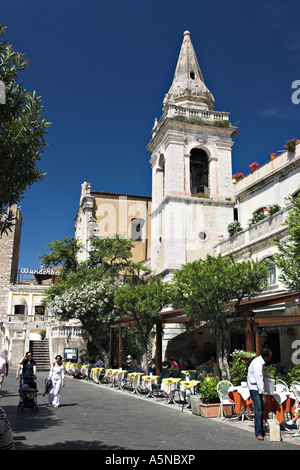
86, 289
205, 287
22, 133
288, 256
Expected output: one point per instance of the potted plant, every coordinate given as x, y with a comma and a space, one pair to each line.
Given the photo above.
240, 353
273, 209
272, 155
290, 145
210, 402
253, 166
234, 227
238, 177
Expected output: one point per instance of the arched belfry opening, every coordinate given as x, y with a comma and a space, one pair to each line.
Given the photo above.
199, 171
160, 172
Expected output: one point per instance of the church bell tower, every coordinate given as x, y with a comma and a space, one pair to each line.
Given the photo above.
192, 190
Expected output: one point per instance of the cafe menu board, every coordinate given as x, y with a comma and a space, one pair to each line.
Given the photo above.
71, 354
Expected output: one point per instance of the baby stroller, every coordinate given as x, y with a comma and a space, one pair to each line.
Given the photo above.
28, 395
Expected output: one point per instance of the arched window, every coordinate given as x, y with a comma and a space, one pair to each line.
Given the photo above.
270, 264
137, 226
39, 308
260, 211
199, 171
20, 306
160, 178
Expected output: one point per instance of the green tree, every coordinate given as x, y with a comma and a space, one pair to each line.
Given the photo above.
206, 287
143, 302
288, 256
86, 291
22, 133
63, 253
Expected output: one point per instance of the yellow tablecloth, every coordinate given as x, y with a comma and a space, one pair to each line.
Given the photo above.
189, 384
135, 378
148, 381
188, 372
95, 372
169, 385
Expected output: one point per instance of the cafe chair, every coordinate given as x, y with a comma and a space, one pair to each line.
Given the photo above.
295, 388
222, 390
157, 392
280, 386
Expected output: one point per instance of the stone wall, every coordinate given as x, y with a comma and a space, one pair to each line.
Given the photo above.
9, 259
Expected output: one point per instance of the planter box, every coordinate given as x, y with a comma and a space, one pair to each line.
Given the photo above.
212, 410
196, 404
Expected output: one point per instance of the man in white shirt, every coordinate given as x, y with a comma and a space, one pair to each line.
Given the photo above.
3, 368
255, 384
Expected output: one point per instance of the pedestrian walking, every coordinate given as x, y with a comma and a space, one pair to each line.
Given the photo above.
57, 375
3, 368
27, 366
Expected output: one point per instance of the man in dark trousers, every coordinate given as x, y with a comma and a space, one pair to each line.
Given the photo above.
255, 384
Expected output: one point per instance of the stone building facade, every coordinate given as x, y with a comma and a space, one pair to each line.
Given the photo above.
107, 214
9, 259
195, 198
192, 191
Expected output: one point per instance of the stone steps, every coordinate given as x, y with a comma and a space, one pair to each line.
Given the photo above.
40, 353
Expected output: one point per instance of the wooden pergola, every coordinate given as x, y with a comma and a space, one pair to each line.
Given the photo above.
253, 323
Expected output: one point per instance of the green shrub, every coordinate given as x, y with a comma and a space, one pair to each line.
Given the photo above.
273, 209
208, 390
293, 374
234, 227
238, 371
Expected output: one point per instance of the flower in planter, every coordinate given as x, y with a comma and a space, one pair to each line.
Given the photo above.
272, 155
274, 208
253, 166
234, 227
290, 145
238, 176
240, 353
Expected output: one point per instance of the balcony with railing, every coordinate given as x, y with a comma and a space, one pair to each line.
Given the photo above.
265, 229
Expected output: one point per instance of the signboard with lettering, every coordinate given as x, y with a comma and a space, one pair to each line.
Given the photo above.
42, 271
71, 354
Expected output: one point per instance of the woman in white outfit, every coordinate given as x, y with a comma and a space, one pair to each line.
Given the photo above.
58, 380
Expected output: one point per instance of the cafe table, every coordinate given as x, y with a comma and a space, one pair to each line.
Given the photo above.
68, 367
168, 386
187, 388
189, 385
75, 368
84, 370
135, 379
117, 376
240, 396
187, 373
95, 373
108, 376
148, 381
279, 404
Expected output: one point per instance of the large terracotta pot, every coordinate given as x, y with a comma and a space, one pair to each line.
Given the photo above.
211, 410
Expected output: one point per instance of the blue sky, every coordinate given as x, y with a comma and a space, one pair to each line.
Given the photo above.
103, 68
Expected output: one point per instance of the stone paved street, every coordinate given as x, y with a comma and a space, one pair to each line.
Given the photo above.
97, 417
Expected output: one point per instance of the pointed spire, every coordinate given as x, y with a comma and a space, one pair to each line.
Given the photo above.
188, 87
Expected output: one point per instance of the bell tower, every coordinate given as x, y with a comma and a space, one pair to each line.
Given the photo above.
192, 190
